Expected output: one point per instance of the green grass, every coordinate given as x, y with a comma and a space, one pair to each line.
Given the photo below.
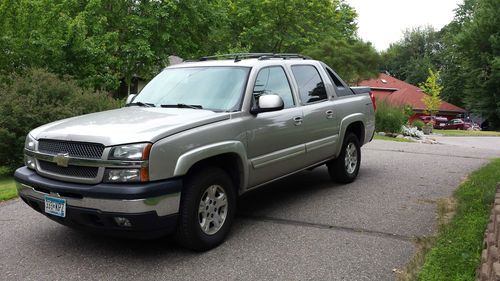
459, 133
378, 137
456, 253
7, 189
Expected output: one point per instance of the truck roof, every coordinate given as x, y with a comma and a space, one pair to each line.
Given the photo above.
246, 60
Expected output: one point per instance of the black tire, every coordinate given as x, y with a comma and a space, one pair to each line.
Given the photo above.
189, 231
337, 167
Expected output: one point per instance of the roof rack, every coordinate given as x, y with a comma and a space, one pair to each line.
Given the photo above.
260, 56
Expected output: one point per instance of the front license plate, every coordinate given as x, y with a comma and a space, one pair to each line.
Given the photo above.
442, 124
55, 206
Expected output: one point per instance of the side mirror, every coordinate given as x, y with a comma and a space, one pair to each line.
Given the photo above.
268, 103
130, 98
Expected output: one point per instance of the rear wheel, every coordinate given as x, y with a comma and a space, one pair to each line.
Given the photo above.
208, 205
345, 167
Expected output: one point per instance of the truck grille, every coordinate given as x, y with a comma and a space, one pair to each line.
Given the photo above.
70, 171
74, 149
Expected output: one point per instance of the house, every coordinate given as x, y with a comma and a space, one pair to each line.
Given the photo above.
399, 93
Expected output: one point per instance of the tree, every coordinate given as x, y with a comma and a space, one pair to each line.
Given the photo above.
411, 57
353, 60
102, 43
432, 88
453, 72
479, 42
289, 25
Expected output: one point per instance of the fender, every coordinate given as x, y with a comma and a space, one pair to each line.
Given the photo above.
344, 123
188, 159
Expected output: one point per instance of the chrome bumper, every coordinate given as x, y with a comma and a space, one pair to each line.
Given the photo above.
162, 205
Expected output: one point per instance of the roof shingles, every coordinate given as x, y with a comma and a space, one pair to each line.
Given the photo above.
398, 92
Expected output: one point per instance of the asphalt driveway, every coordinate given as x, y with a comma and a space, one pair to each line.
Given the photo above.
301, 228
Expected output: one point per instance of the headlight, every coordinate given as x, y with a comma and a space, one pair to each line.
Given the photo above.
129, 152
138, 151
122, 175
29, 144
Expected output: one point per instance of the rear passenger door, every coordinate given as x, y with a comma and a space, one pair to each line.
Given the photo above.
320, 122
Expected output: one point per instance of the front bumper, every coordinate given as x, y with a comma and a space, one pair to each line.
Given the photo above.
150, 207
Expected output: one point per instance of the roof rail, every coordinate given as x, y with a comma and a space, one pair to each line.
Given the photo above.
260, 56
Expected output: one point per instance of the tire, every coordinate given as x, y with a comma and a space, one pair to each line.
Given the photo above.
342, 169
207, 185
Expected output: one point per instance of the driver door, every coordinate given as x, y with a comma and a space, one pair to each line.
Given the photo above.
275, 139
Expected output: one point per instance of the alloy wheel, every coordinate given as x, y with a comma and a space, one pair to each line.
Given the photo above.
212, 210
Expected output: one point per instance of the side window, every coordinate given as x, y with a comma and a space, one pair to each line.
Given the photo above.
311, 87
335, 80
272, 80
340, 89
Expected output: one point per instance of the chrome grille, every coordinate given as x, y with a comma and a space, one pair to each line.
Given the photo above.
74, 149
70, 171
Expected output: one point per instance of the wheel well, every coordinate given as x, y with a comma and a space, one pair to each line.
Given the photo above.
230, 162
358, 129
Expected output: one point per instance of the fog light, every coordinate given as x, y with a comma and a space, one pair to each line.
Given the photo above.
29, 162
121, 221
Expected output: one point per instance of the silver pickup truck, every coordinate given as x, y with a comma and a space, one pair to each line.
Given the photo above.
177, 156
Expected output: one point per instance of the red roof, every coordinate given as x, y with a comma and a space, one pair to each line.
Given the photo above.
398, 92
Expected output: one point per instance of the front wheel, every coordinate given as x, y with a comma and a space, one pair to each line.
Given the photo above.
345, 168
208, 205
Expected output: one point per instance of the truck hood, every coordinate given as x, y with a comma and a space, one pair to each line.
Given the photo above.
127, 125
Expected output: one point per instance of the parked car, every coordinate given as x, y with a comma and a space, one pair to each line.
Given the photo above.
455, 124
437, 120
198, 135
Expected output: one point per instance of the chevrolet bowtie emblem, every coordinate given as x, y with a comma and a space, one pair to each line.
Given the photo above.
62, 159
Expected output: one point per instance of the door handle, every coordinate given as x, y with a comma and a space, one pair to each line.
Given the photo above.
298, 120
329, 114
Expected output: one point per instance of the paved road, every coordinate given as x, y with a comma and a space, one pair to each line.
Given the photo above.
491, 143
300, 228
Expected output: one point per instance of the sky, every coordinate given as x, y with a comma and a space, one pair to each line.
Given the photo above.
382, 22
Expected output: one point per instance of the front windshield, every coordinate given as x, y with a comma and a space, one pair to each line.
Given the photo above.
209, 87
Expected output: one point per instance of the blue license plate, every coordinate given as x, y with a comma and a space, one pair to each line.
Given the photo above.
55, 206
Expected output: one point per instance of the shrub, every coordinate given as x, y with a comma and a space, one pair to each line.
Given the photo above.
408, 111
418, 123
5, 171
388, 118
38, 97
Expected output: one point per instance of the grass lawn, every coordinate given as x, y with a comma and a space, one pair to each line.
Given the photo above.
378, 137
465, 133
457, 250
7, 189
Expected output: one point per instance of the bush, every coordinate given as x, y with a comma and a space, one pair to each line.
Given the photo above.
36, 98
5, 171
419, 124
388, 118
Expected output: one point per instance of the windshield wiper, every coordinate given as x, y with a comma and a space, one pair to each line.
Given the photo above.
183, 105
140, 103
